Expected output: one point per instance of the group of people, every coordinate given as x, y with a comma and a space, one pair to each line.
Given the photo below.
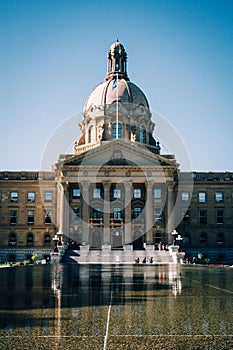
162, 246
144, 260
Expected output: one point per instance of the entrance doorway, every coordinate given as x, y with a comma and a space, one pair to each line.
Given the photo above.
116, 240
96, 240
157, 237
138, 241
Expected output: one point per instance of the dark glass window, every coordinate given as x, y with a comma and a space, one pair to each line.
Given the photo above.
96, 213
76, 214
31, 216
203, 239
30, 240
13, 217
12, 239
47, 239
117, 213
220, 216
186, 217
203, 216
137, 212
220, 238
142, 135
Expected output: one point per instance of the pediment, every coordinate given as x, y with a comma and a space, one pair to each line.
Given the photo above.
118, 153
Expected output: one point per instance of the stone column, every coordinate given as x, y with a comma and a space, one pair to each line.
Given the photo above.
149, 211
170, 214
128, 197
107, 209
63, 212
85, 215
61, 208
66, 210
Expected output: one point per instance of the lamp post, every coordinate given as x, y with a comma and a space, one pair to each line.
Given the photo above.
174, 234
179, 239
55, 239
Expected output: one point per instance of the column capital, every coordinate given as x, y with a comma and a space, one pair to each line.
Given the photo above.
63, 185
106, 184
85, 184
128, 184
149, 184
170, 186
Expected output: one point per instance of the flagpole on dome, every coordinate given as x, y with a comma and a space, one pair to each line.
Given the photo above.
117, 121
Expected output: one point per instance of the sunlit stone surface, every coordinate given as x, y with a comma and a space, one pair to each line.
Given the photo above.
116, 307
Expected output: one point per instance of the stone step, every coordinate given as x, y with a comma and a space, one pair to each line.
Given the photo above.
117, 257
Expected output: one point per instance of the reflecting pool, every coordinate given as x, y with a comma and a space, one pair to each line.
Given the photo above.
116, 307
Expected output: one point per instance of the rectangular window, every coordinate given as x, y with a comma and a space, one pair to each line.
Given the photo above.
186, 216
76, 214
117, 213
31, 197
157, 193
203, 216
137, 213
76, 193
31, 215
157, 214
48, 197
13, 217
96, 213
220, 216
202, 197
137, 193
14, 196
219, 197
117, 193
185, 196
96, 193
48, 217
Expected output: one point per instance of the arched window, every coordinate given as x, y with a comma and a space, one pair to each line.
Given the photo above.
12, 239
114, 131
30, 240
91, 138
142, 136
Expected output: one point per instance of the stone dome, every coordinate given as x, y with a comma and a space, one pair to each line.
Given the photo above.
116, 109
105, 94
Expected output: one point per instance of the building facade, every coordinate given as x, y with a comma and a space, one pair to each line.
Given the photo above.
116, 191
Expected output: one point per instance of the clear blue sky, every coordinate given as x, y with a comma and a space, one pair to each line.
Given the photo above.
53, 53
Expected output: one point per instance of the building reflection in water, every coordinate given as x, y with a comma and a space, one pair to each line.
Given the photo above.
61, 300
56, 286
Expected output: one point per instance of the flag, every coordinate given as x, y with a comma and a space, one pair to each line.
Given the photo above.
114, 85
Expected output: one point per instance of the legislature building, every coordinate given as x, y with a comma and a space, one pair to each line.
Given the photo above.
116, 191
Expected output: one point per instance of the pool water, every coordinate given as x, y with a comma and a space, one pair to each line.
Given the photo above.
116, 307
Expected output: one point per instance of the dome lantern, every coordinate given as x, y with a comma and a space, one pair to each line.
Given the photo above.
117, 58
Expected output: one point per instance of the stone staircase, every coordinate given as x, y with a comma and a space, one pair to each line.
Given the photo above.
117, 256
